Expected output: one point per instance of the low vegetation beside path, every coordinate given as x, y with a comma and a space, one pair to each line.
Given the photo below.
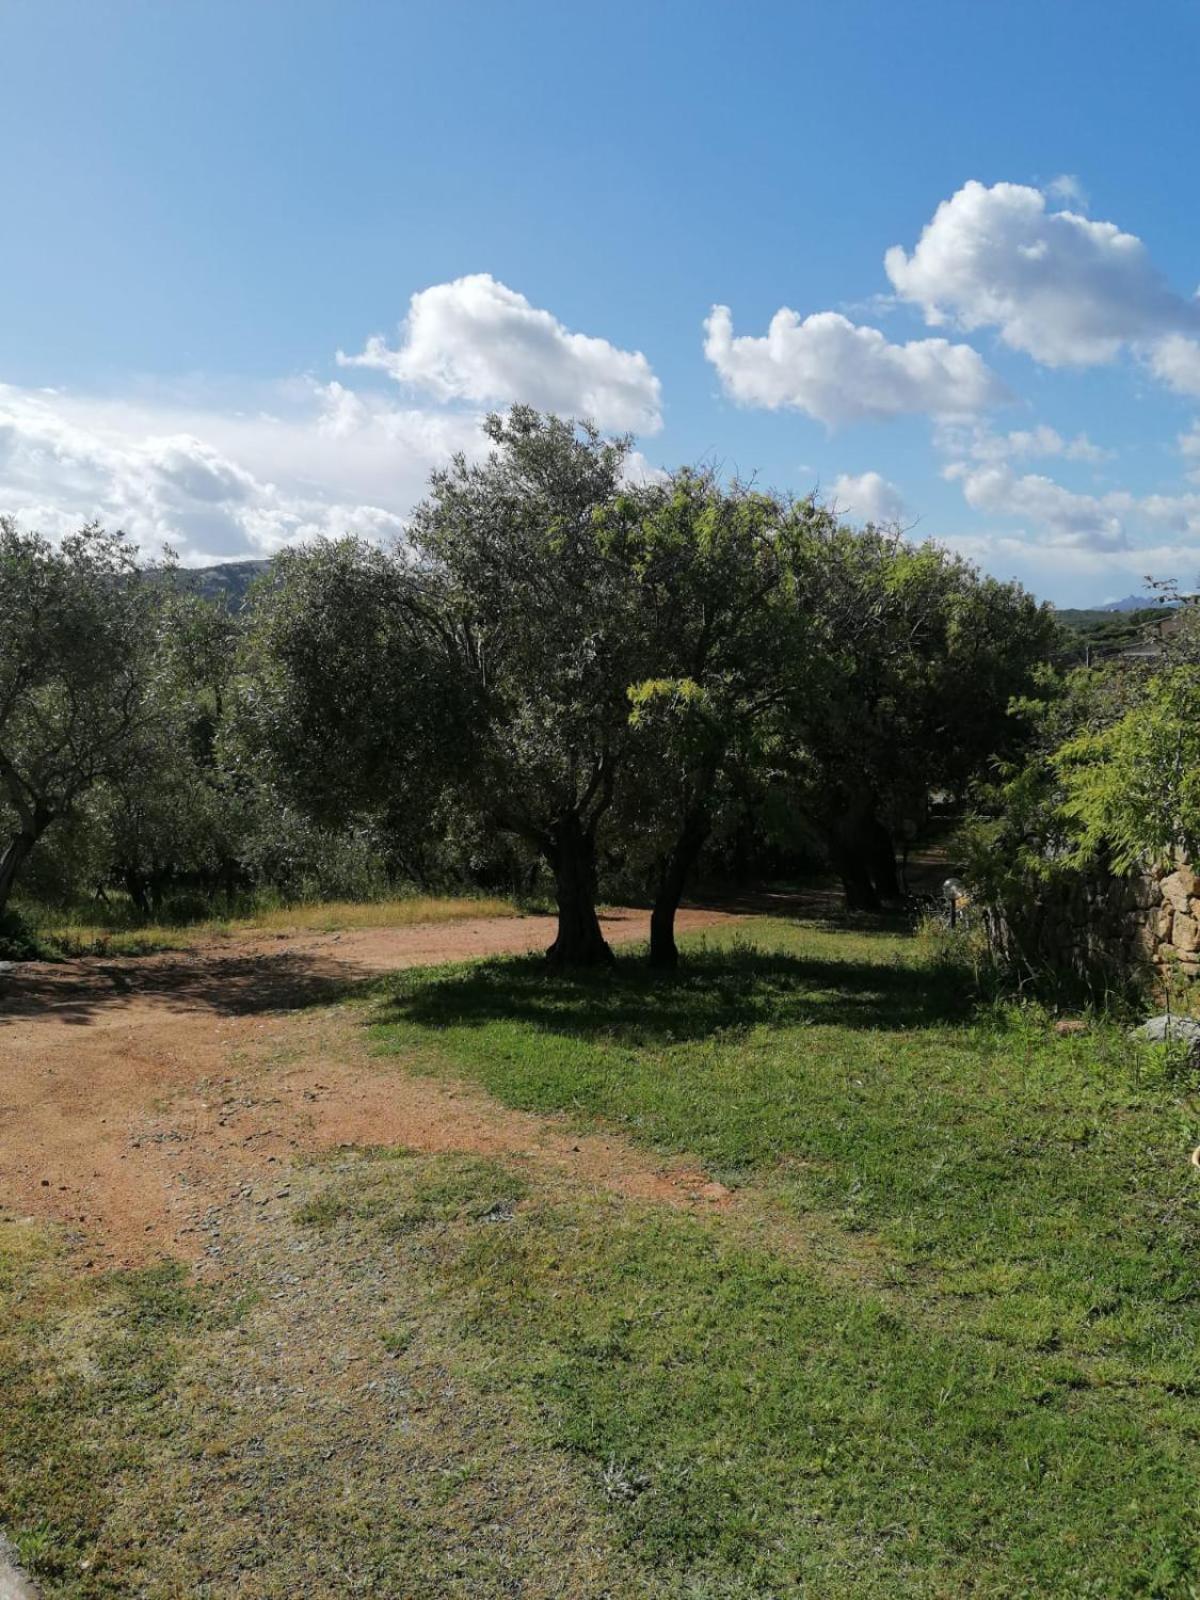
942, 1341
118, 929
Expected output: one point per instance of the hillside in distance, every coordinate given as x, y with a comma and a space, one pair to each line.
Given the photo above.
229, 579
1117, 622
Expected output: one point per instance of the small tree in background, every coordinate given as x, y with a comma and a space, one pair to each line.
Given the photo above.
171, 814
1131, 791
1129, 779
348, 703
915, 661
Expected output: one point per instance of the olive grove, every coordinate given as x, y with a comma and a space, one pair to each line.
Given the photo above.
559, 677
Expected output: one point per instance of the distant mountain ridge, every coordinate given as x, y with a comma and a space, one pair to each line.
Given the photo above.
1131, 602
232, 579
228, 579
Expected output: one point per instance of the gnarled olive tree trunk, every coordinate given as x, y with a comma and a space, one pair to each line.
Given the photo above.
863, 856
664, 953
571, 854
18, 851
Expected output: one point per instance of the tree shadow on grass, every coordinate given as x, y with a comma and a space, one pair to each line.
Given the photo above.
713, 992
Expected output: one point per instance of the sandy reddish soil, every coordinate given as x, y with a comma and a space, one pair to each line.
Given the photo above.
140, 1096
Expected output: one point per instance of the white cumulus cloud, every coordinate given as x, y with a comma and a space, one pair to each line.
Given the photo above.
1067, 567
1063, 517
1068, 188
840, 371
641, 473
220, 482
1176, 361
477, 340
1064, 289
868, 497
980, 444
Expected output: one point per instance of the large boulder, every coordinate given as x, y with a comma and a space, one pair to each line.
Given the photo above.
1169, 1029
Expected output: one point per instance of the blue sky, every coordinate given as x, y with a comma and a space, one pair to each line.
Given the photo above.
206, 202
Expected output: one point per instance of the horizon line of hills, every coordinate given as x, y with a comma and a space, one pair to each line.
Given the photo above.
232, 580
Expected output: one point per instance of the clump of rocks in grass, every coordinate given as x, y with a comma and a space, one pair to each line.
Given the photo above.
1171, 1029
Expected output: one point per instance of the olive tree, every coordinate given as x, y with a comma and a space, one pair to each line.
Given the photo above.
79, 654
348, 703
908, 688
717, 584
172, 814
484, 663
544, 620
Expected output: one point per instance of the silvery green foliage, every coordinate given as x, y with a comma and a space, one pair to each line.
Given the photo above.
79, 670
526, 551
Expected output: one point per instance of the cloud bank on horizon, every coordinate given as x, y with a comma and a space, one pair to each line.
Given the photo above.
1021, 269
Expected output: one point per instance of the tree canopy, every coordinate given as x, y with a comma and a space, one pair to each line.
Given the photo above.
720, 591
78, 676
527, 550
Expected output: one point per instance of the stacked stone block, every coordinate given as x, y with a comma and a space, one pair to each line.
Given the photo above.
1106, 930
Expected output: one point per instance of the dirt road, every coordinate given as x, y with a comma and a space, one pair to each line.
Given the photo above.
139, 1097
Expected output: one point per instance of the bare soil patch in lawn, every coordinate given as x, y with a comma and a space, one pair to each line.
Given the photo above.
139, 1097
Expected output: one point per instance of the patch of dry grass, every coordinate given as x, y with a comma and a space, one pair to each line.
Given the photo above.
102, 934
311, 1423
334, 916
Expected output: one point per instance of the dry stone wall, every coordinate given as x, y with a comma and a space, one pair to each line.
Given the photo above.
1103, 929
1172, 935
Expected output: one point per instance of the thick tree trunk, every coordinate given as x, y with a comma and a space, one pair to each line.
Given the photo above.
137, 890
857, 883
664, 953
863, 856
881, 853
11, 862
580, 943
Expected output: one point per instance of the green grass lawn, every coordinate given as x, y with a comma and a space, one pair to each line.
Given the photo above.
945, 1343
1012, 1406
